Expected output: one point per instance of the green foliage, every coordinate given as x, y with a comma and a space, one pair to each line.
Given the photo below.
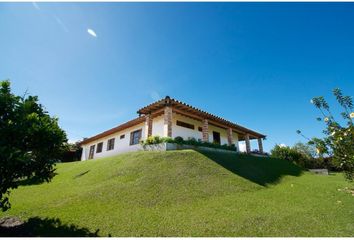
339, 140
289, 154
156, 140
152, 140
191, 141
72, 152
303, 155
167, 140
30, 144
179, 140
187, 193
306, 149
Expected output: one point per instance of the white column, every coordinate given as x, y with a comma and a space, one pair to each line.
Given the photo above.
83, 154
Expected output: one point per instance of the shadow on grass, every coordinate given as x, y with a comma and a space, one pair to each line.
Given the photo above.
45, 227
81, 174
260, 170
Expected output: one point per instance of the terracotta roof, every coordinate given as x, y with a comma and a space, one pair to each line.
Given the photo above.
178, 104
114, 130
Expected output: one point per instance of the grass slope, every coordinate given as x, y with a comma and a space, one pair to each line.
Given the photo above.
185, 193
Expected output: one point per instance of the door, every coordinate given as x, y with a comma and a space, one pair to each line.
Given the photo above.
92, 152
216, 137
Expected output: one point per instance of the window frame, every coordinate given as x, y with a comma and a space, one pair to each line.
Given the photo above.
99, 147
110, 146
185, 124
132, 138
92, 151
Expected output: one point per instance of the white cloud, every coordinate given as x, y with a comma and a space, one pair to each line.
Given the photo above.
35, 5
74, 140
155, 96
91, 32
61, 24
282, 145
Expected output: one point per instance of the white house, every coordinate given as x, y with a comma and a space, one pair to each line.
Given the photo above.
167, 118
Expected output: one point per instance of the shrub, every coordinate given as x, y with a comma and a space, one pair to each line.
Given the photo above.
227, 147
191, 141
152, 140
301, 155
179, 140
167, 140
289, 154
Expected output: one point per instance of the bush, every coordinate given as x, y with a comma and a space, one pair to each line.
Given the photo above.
156, 140
289, 154
191, 141
300, 157
167, 140
152, 140
179, 140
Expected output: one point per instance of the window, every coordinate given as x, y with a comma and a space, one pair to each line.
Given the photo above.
135, 137
110, 144
99, 147
200, 129
122, 136
184, 124
216, 137
92, 151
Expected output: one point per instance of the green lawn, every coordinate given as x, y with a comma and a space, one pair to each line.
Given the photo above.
186, 193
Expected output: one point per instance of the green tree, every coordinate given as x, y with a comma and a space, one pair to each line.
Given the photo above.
339, 136
30, 143
306, 149
289, 154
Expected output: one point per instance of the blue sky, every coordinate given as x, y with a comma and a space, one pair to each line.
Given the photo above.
256, 64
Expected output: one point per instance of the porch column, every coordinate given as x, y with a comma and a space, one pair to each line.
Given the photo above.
205, 130
248, 145
260, 145
148, 126
229, 136
167, 128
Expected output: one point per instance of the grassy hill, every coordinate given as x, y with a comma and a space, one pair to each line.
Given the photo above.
185, 193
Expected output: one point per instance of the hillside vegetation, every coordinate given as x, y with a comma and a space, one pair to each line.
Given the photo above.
185, 193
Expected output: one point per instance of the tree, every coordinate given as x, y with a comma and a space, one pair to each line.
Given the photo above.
289, 154
339, 137
308, 150
30, 142
72, 152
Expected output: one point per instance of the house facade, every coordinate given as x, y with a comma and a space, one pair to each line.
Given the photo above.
168, 117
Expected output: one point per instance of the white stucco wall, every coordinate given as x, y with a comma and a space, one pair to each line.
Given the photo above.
157, 126
183, 132
120, 145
